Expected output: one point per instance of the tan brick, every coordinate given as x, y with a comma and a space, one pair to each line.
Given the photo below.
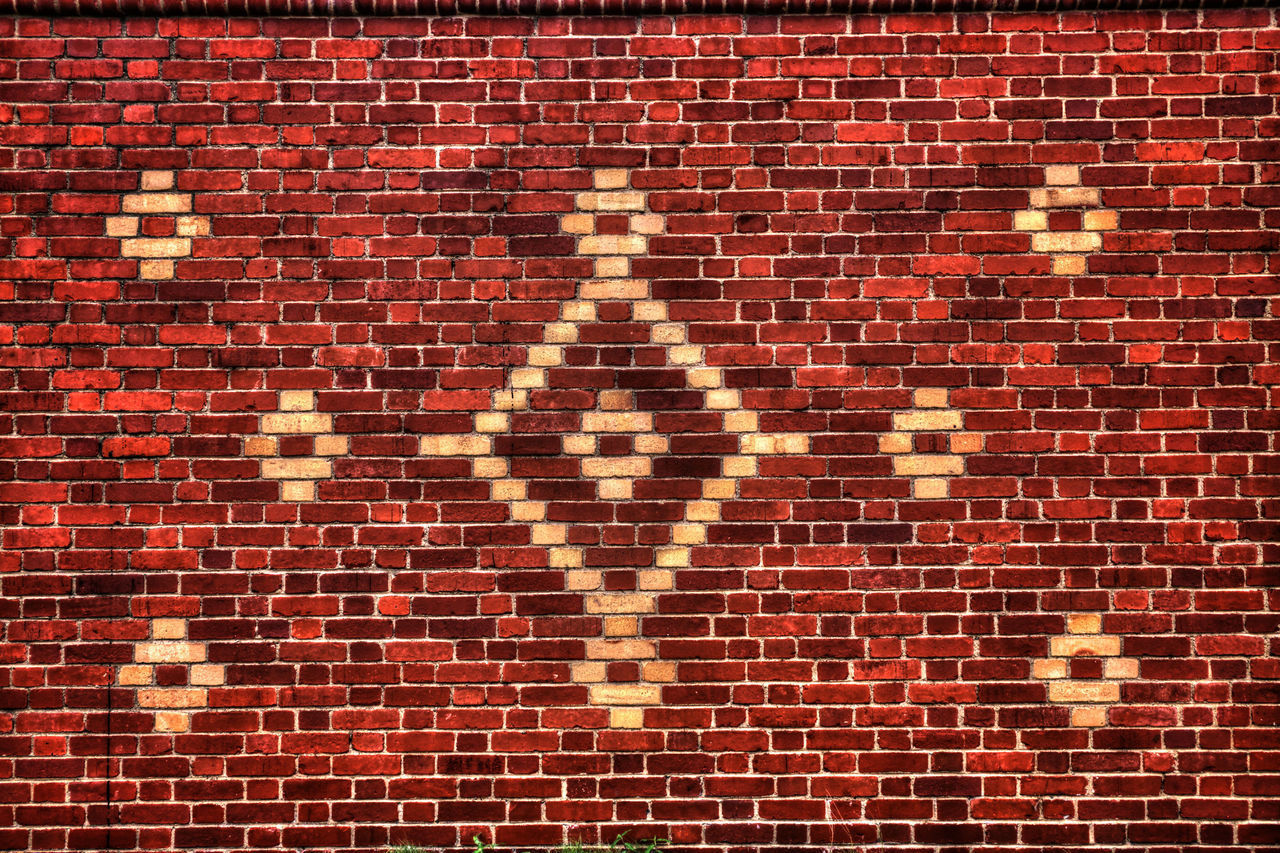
1030, 220
895, 442
745, 422
689, 534
718, 490
297, 468
654, 579
1065, 197
626, 718
768, 443
297, 401
1088, 717
578, 223
456, 445
557, 333
510, 400
620, 603
620, 650
565, 558
624, 694
966, 442
617, 422
931, 421
651, 445
1068, 265
132, 675
702, 511
1100, 220
155, 270
1066, 241
612, 244
670, 334
928, 488
611, 201
1083, 691
1084, 623
122, 226
536, 511
546, 356
705, 377
172, 697
685, 355
649, 312
616, 400
207, 675
613, 267
492, 422
581, 580
331, 445
156, 203
1049, 668
647, 224
192, 226
738, 466
547, 534
614, 288
155, 179
617, 466
1096, 646
673, 558
724, 398
297, 490
530, 377
169, 652
661, 671
172, 721
615, 490
1120, 668
1062, 176
168, 629
155, 247
587, 671
928, 465
509, 490
621, 626
610, 179
931, 398
296, 423
489, 468
579, 445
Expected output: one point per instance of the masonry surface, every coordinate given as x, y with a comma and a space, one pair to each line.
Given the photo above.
759, 432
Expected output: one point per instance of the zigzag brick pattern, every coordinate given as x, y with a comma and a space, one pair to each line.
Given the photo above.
760, 431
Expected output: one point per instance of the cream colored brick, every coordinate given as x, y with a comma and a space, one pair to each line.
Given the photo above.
156, 203
169, 652
616, 400
620, 603
297, 468
928, 488
581, 580
613, 267
579, 445
546, 356
155, 270
620, 649
932, 421
895, 442
297, 401
1062, 176
670, 334
1120, 668
621, 626
626, 718
1030, 220
739, 466
1066, 241
649, 312
558, 333
718, 490
456, 445
547, 534
689, 534
332, 445
661, 671
191, 226
654, 579
1065, 197
769, 443
684, 355
122, 226
510, 400
673, 558
615, 490
587, 671
1084, 623
1088, 717
741, 422
1083, 691
1093, 646
928, 465
705, 377
168, 629
132, 675
614, 288
1100, 220
509, 490
611, 179
617, 421
966, 442
611, 201
155, 179
1047, 668
207, 675
618, 466
155, 247
624, 694
612, 244
492, 422
537, 511
297, 490
528, 377
296, 423
1068, 265
653, 445
724, 398
578, 223
172, 721
647, 224
565, 558
931, 398
173, 697
702, 511
489, 468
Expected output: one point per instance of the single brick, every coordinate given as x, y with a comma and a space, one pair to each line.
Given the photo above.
1065, 197
169, 652
208, 675
578, 223
1066, 241
928, 465
613, 267
296, 423
511, 400
626, 718
1030, 220
1088, 717
927, 488
156, 180
192, 226
1083, 691
132, 675
562, 558
583, 579
259, 445
661, 671
155, 270
1068, 265
545, 356
724, 398
610, 179
621, 626
297, 401
331, 445
168, 629
738, 466
649, 312
1062, 175
617, 421
612, 244
172, 697
928, 421
156, 203
455, 445
623, 603
492, 422
297, 491
702, 511
620, 649
528, 377
624, 694
122, 226
618, 288
509, 490
611, 201
537, 511
172, 721
587, 671
1095, 646
1100, 220
489, 468
1084, 623
966, 442
930, 398
1120, 668
647, 224
654, 579
618, 466
895, 442
1049, 668
745, 422
296, 468
546, 534
719, 490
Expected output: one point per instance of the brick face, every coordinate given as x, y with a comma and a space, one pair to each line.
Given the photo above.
763, 432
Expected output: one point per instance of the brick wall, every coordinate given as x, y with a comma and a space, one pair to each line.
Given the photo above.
760, 432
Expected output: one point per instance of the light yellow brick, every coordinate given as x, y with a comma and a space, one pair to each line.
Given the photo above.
156, 179
624, 694
1047, 668
558, 333
172, 721
684, 355
173, 697
492, 422
614, 490
1092, 646
1062, 175
509, 490
156, 203
489, 468
620, 603
1100, 220
1083, 691
672, 558
1088, 717
153, 270
929, 488
654, 579
652, 445
930, 398
537, 511
930, 421
621, 626
669, 334
297, 490
546, 356
705, 377
155, 247
332, 445
928, 465
169, 652
613, 267
297, 401
660, 671
168, 629
966, 442
617, 421
579, 445
1120, 668
614, 288
611, 201
587, 671
746, 422
191, 226
617, 466
895, 442
647, 224
297, 468
133, 675
1084, 623
1065, 197
689, 534
739, 466
565, 558
207, 675
1066, 241
620, 649
610, 179
718, 490
580, 580
1068, 265
547, 534
649, 312
724, 398
510, 400
456, 445
578, 223
626, 718
296, 423
764, 444
702, 511
528, 377
1030, 220
612, 244
122, 226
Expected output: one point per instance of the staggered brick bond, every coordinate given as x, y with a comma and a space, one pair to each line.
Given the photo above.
762, 432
